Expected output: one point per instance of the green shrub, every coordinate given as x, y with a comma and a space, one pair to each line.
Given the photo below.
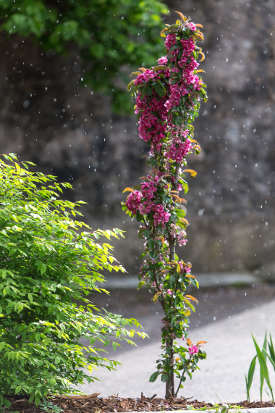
106, 35
50, 262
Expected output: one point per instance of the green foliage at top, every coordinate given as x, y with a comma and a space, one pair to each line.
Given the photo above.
49, 263
108, 34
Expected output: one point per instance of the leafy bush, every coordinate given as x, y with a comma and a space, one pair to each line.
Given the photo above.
107, 34
50, 262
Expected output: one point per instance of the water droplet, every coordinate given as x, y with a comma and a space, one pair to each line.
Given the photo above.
26, 104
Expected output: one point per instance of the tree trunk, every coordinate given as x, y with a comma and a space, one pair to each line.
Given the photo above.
170, 387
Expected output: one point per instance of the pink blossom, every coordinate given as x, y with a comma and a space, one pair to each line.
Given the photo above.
148, 189
189, 64
170, 40
156, 147
193, 350
193, 80
191, 26
197, 83
184, 133
176, 92
162, 60
187, 268
169, 292
178, 150
150, 127
173, 230
133, 201
188, 46
181, 265
145, 207
160, 215
181, 238
152, 115
145, 76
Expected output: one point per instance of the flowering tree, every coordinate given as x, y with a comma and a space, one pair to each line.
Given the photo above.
168, 98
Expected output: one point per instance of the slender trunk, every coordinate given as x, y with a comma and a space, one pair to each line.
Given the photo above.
170, 386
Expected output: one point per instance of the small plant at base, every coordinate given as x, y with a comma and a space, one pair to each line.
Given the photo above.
262, 355
50, 262
217, 408
168, 98
49, 407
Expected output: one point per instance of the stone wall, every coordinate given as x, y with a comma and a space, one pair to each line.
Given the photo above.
45, 116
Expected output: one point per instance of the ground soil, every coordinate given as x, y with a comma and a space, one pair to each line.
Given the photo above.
93, 403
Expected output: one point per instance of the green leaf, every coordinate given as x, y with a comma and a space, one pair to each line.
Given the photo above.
250, 375
264, 375
164, 378
160, 89
181, 213
271, 351
154, 376
271, 360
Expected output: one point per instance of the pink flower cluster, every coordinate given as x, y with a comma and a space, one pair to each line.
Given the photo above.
148, 189
178, 150
162, 60
159, 92
150, 127
184, 61
193, 350
133, 201
176, 93
181, 238
170, 40
160, 215
191, 26
143, 201
151, 110
145, 76
188, 46
188, 268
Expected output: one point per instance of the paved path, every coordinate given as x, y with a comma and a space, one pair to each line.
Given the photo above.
221, 378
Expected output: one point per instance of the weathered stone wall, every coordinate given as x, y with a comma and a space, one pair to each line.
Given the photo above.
67, 130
